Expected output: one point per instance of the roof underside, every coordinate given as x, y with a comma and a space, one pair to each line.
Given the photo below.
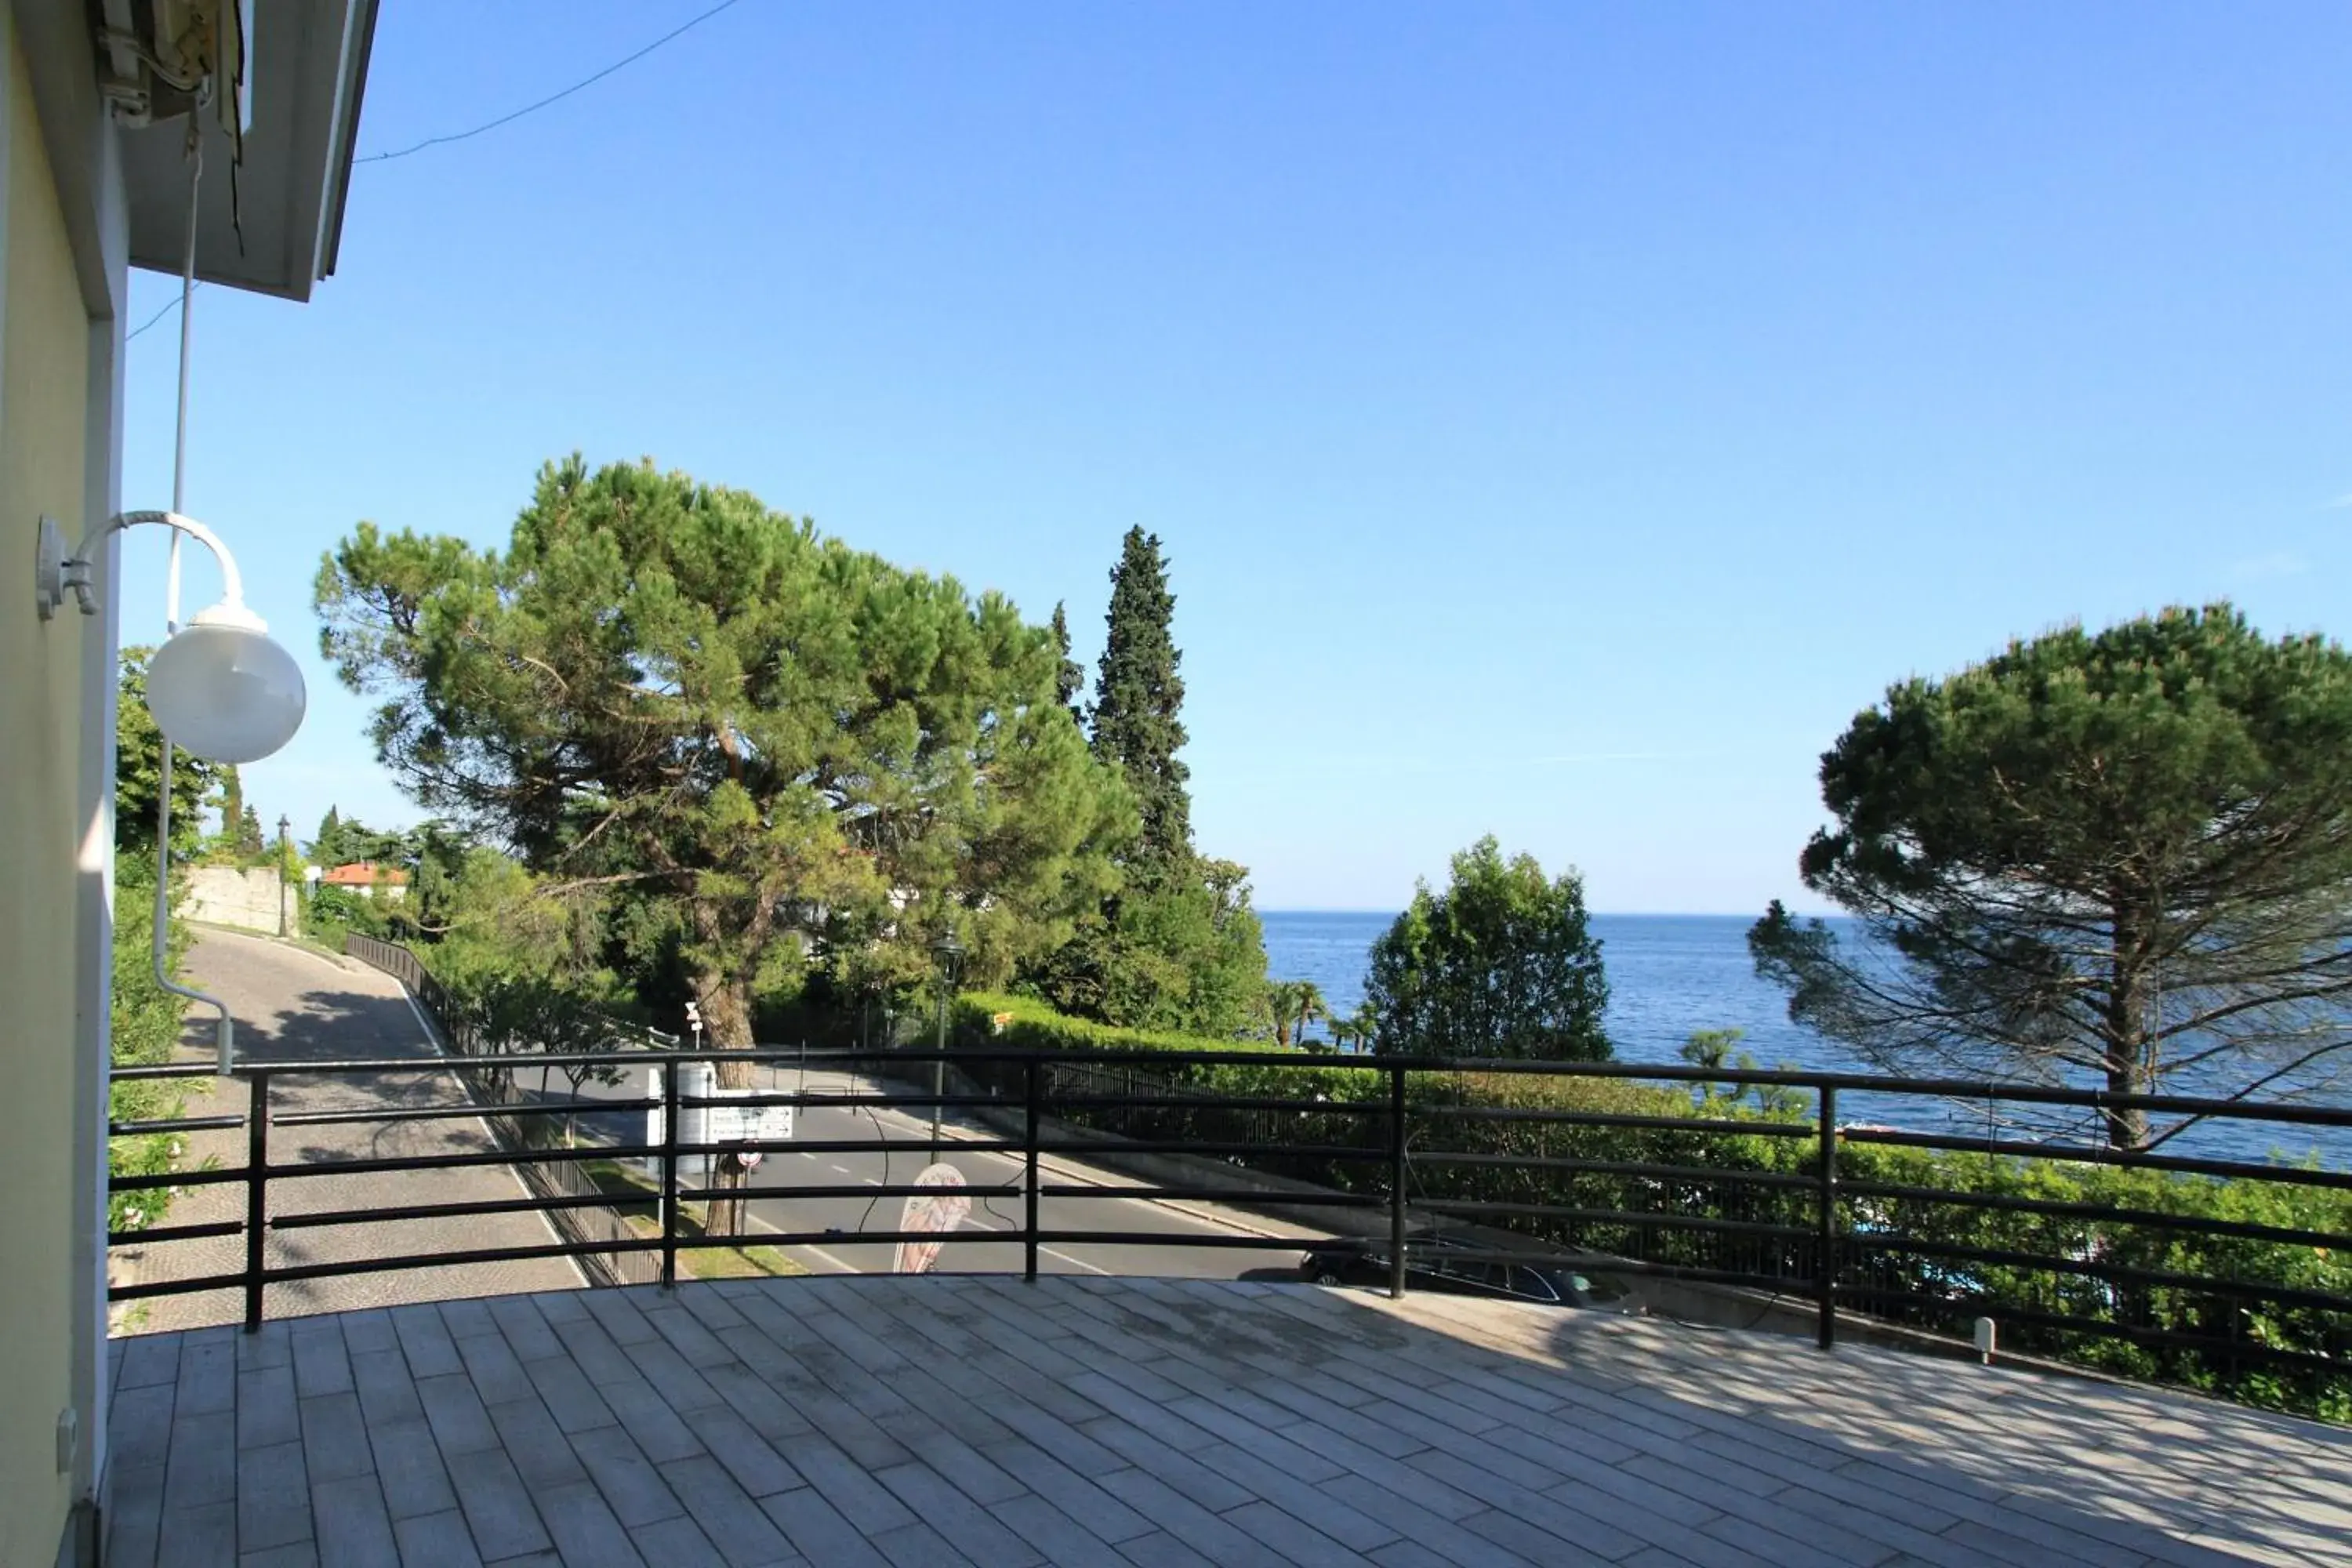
309, 64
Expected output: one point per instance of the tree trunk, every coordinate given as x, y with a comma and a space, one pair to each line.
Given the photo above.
726, 1023
2127, 1043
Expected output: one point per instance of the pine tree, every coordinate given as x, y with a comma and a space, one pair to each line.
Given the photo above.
1069, 679
1137, 699
249, 841
328, 848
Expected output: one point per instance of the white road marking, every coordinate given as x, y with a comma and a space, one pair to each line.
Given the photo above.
804, 1154
544, 1217
843, 1169
1067, 1258
829, 1258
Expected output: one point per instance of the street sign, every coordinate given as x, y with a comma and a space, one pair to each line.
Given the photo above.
720, 1123
745, 1123
937, 1212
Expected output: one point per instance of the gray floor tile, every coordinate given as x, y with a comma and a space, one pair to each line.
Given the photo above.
335, 1437
138, 1425
859, 1420
651, 1424
527, 1331
531, 1439
568, 1393
460, 1422
1161, 1550
386, 1390
496, 1372
1099, 1513
148, 1360
817, 1531
435, 1541
299, 1554
410, 1469
498, 1506
918, 1545
273, 1497
134, 1515
632, 1488
725, 1511
846, 1484
757, 1468
322, 1364
203, 1535
586, 1531
424, 1341
266, 1411
681, 1543
1188, 1521
202, 1462
207, 1377
354, 1531
1056, 1536
1299, 1543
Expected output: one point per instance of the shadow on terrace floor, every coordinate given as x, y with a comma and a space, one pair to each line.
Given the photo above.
974, 1419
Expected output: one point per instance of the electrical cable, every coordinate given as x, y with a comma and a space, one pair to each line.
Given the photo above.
170, 305
551, 97
490, 125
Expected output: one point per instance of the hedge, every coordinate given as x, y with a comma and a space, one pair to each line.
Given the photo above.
1887, 1249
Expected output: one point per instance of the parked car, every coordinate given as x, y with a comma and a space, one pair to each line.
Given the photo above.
1435, 1263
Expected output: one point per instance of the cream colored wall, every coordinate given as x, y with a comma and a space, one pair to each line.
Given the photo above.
45, 343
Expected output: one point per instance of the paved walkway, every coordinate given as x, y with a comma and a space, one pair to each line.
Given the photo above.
293, 1004
853, 1421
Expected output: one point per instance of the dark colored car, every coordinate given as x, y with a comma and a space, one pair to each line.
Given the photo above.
1435, 1263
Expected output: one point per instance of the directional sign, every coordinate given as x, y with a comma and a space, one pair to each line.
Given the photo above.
937, 1212
746, 1124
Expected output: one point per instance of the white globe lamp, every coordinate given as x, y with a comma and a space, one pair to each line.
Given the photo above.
224, 690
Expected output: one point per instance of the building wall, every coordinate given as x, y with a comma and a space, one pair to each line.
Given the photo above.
45, 347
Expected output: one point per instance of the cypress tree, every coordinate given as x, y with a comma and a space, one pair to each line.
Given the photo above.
232, 802
1137, 697
1069, 678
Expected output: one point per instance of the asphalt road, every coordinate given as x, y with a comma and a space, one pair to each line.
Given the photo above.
995, 1181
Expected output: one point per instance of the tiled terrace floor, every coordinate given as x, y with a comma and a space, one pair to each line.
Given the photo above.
1098, 1421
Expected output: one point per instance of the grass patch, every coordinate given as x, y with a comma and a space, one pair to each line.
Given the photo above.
635, 1193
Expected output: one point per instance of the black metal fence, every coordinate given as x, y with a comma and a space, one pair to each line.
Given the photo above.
2254, 1292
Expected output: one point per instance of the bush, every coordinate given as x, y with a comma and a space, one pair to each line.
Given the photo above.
145, 1026
1891, 1256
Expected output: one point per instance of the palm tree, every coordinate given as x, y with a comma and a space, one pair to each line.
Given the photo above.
1306, 999
1366, 1024
1279, 1005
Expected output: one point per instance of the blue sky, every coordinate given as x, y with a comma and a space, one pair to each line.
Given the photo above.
1560, 418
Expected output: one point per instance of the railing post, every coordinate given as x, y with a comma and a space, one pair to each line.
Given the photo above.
1826, 1267
1396, 1183
1029, 1155
256, 1193
669, 1176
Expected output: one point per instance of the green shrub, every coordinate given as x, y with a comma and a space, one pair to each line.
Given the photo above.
1886, 1253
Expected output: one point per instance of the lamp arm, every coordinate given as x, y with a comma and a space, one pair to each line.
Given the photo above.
77, 574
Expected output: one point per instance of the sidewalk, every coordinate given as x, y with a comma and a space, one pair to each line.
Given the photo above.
293, 1005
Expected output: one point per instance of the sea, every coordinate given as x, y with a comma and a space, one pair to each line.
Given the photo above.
1672, 975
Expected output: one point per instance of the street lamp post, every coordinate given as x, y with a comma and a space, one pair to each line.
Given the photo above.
282, 825
949, 954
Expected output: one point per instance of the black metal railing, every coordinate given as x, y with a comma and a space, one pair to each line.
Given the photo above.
1530, 1164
